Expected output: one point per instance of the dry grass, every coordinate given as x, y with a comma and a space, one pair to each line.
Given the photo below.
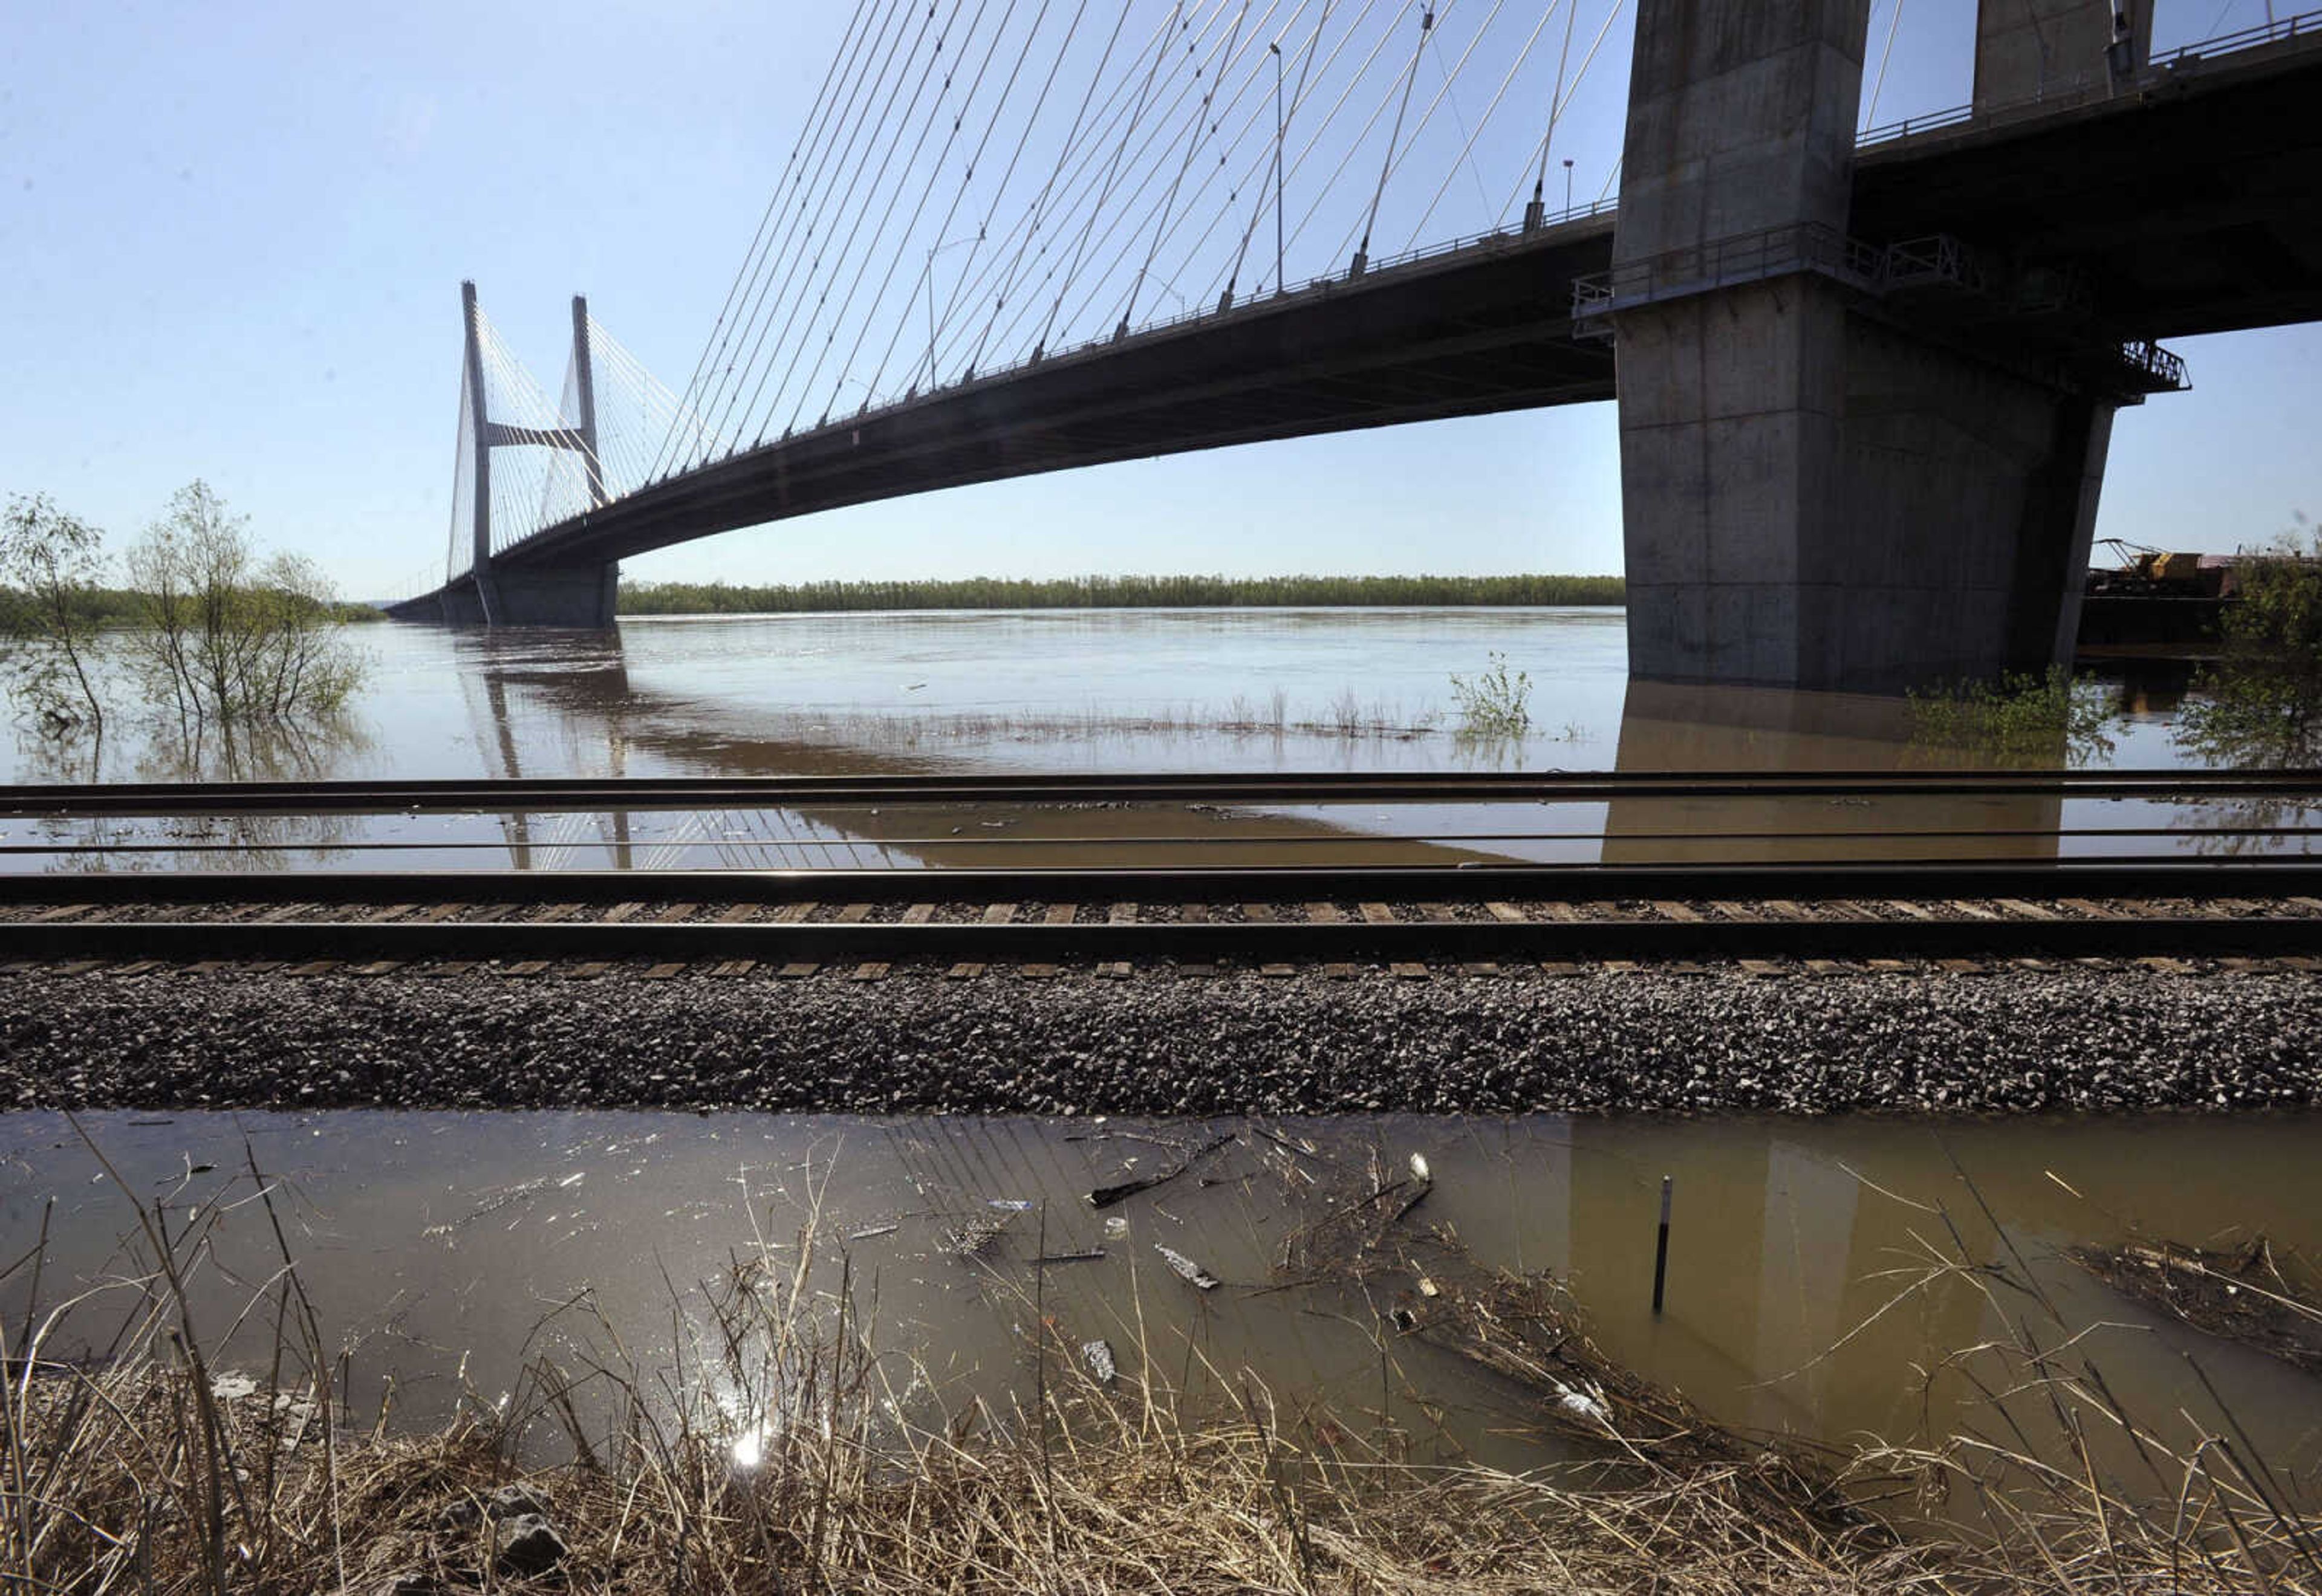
782, 1451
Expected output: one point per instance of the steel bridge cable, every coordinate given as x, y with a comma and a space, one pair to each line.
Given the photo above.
976, 159
1555, 108
1252, 81
773, 200
1368, 5
1079, 249
1467, 153
1193, 147
1131, 214
1571, 94
1396, 158
1086, 154
886, 137
954, 303
1029, 223
807, 198
780, 270
1298, 103
871, 248
843, 187
942, 156
781, 295
1257, 211
1879, 84
1426, 26
1315, 138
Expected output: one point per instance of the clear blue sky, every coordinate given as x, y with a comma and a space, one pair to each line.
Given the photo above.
232, 237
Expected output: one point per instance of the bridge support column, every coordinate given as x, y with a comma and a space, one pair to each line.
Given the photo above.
1816, 493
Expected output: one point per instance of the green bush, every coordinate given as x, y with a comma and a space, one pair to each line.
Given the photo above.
2018, 719
1493, 705
2261, 703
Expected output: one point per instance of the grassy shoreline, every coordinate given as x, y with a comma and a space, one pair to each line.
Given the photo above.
1125, 592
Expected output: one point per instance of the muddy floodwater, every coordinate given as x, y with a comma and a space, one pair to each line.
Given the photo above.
1820, 1275
1094, 691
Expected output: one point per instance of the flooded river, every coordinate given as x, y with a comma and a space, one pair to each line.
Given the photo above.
1820, 1272
1091, 691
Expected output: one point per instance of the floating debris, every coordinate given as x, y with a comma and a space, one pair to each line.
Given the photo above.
1186, 1269
1010, 1205
868, 1231
1084, 1255
971, 1236
1105, 1197
1116, 1227
1098, 1356
1418, 1170
2238, 1296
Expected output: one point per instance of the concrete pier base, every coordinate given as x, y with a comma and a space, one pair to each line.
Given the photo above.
582, 599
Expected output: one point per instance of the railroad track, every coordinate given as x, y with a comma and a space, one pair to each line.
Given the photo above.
1382, 918
2263, 904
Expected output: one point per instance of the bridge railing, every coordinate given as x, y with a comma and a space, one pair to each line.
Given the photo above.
2066, 93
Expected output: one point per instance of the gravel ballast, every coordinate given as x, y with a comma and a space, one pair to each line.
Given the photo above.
1647, 1040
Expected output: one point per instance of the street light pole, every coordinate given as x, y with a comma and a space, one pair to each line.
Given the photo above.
1277, 51
1568, 185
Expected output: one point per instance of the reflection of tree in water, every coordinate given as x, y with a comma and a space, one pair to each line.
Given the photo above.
195, 750
2259, 708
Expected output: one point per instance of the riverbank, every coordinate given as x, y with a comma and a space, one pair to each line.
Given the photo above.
1918, 1039
1123, 592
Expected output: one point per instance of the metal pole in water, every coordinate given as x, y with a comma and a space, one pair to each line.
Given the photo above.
1661, 1250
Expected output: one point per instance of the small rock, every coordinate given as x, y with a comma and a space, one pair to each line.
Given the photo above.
510, 1502
526, 1544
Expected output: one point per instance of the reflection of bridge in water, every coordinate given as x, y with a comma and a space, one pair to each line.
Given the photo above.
580, 686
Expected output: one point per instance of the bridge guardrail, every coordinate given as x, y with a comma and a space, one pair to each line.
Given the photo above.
2067, 93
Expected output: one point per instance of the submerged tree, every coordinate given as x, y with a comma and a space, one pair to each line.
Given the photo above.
229, 638
2261, 703
50, 563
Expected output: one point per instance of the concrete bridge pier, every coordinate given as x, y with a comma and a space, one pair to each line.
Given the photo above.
579, 596
1819, 491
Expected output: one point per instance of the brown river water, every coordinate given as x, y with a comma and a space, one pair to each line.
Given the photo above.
1091, 691
1811, 1286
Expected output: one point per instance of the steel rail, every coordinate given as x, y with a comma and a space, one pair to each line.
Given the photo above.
1199, 942
125, 846
2271, 876
790, 791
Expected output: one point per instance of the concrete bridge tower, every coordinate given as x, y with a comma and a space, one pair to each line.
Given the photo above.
1822, 488
496, 593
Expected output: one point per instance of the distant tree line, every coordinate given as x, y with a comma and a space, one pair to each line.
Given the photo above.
128, 606
1098, 592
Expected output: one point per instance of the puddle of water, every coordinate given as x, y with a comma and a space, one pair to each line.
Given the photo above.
1807, 1291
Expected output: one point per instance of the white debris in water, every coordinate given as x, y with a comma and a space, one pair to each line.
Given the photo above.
1098, 1356
1419, 1168
1583, 1406
1116, 1225
868, 1231
1012, 1205
1186, 1269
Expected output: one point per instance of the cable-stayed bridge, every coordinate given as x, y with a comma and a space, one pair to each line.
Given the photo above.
1866, 375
